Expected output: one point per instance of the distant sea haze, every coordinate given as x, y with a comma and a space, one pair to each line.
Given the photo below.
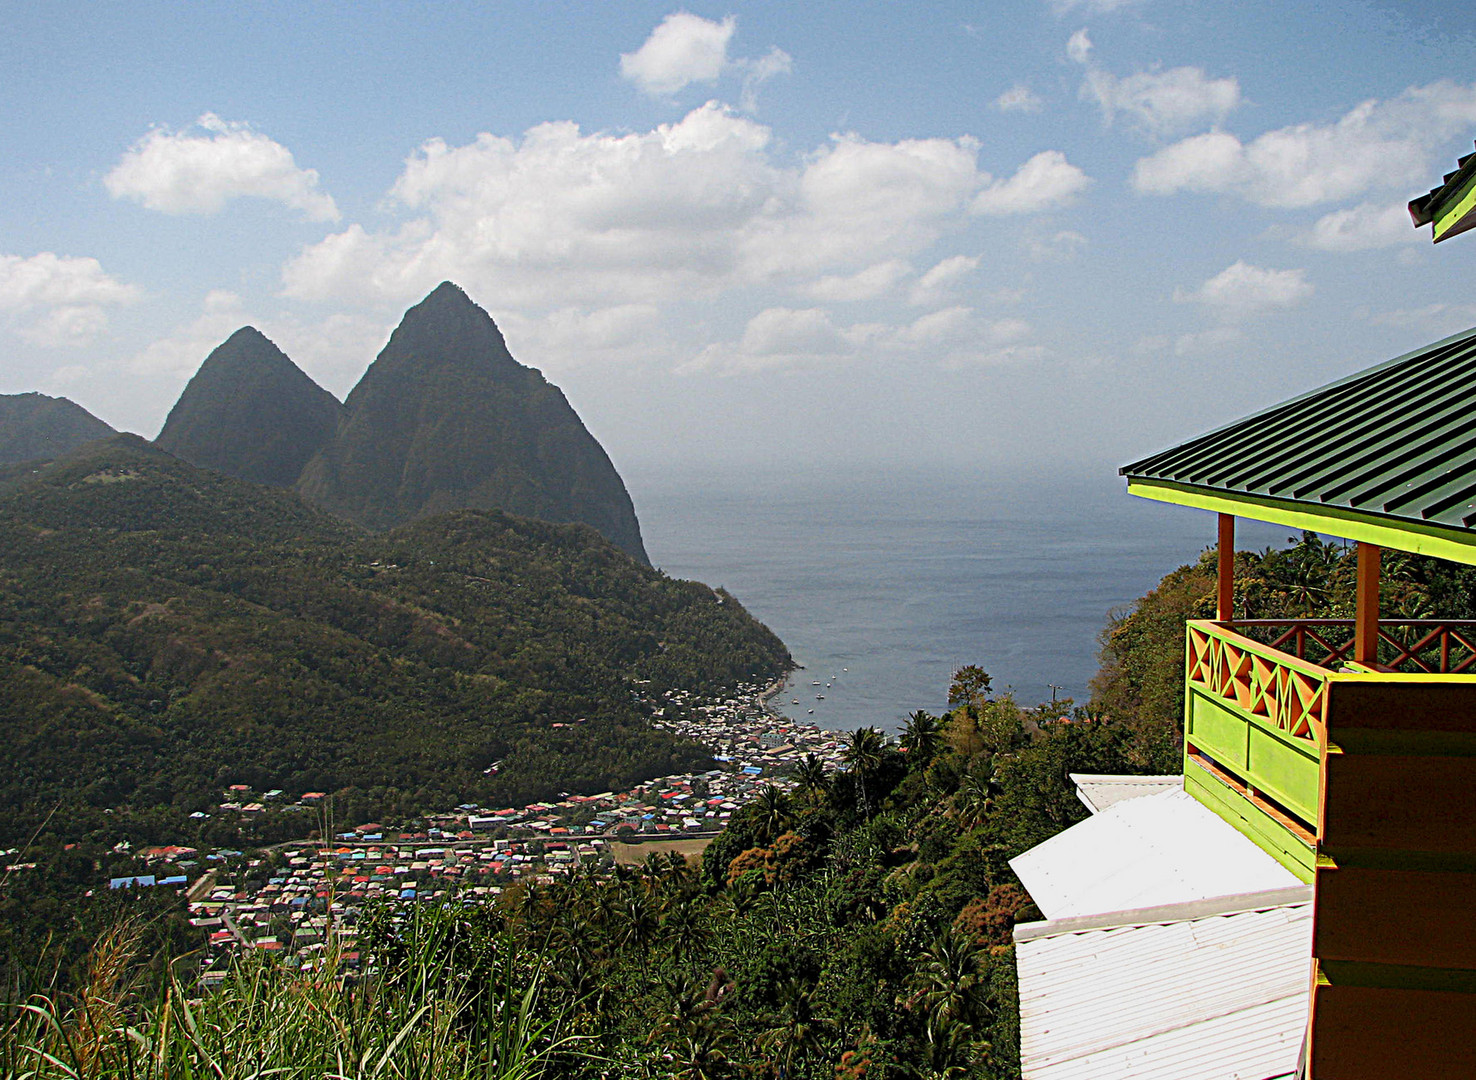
882, 586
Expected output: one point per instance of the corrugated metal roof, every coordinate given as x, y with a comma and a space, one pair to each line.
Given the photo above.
1219, 997
1098, 791
1428, 207
1158, 849
1396, 442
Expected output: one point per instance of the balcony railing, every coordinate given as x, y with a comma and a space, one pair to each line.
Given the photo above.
1411, 646
1259, 700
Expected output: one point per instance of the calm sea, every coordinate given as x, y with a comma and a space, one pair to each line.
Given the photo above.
883, 586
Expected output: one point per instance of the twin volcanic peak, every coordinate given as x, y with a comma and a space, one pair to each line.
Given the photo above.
444, 418
252, 413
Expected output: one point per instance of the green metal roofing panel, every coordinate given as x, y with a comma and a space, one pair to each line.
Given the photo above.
1451, 207
1394, 444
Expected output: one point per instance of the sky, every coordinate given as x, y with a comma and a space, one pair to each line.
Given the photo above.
1033, 238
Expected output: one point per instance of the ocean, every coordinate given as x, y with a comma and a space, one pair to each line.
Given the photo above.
883, 585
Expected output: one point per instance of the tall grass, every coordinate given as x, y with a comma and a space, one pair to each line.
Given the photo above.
412, 1019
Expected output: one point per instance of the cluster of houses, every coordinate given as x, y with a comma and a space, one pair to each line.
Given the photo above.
303, 898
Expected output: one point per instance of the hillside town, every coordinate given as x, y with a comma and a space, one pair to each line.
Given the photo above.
299, 898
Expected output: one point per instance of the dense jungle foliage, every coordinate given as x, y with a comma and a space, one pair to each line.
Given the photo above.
166, 631
857, 926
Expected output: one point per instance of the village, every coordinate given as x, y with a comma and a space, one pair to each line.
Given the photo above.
302, 898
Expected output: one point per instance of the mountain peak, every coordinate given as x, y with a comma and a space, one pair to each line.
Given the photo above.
449, 326
34, 427
446, 418
250, 412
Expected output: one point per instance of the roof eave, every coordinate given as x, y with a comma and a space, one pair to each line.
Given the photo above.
1400, 534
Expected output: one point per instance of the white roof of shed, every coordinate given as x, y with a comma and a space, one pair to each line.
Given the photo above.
1205, 991
1098, 791
1158, 849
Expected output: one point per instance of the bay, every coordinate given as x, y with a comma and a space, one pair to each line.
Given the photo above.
882, 584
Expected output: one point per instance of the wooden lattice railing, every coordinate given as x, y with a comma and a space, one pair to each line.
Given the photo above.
1431, 646
1284, 692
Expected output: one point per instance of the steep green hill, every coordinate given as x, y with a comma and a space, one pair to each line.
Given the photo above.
165, 630
251, 412
446, 418
36, 427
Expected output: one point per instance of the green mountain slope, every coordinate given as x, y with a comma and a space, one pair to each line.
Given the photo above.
36, 427
446, 418
251, 412
165, 630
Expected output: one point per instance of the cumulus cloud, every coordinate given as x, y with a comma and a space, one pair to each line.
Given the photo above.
688, 210
199, 170
58, 300
876, 280
1162, 103
1378, 144
686, 49
790, 338
683, 49
1242, 290
1079, 47
1361, 228
1019, 98
938, 284
1046, 180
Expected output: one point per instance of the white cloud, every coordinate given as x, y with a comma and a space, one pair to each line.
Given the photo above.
1079, 47
868, 284
1440, 319
1019, 98
682, 50
1095, 7
1061, 246
1162, 102
1361, 228
937, 285
1377, 145
58, 300
179, 172
690, 210
1242, 290
1046, 180
757, 72
786, 338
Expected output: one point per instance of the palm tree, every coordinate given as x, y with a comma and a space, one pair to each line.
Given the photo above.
973, 800
772, 813
947, 988
864, 755
694, 1035
811, 777
922, 737
793, 1030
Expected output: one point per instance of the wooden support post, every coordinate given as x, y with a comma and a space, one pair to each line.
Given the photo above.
1366, 617
1225, 585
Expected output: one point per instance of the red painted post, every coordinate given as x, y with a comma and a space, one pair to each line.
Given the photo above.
1225, 583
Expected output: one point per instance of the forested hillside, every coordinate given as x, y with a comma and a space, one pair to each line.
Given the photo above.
166, 630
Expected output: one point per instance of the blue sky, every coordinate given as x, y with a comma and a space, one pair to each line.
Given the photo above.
1038, 237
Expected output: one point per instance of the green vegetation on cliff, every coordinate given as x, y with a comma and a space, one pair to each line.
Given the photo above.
165, 631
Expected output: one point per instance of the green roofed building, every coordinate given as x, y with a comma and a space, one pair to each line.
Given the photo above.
1451, 207
1346, 749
